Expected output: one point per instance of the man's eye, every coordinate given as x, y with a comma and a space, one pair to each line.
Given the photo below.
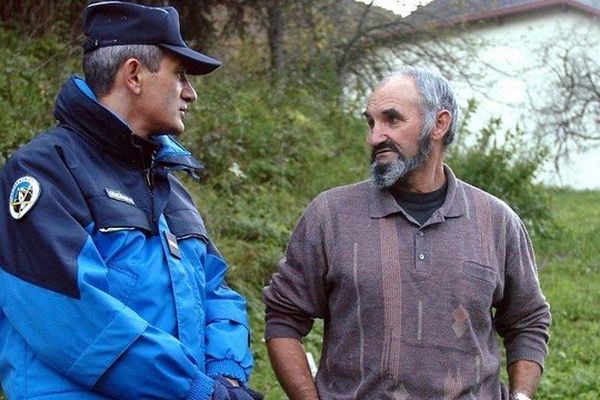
182, 76
370, 122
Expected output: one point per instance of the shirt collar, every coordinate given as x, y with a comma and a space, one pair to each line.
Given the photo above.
455, 204
383, 204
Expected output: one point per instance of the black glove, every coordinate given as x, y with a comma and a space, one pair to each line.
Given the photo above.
235, 392
220, 392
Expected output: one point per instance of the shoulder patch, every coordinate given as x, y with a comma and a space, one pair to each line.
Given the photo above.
23, 195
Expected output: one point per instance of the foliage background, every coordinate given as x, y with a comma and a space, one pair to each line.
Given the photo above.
273, 136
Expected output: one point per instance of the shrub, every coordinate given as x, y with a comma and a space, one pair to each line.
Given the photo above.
505, 164
267, 153
32, 71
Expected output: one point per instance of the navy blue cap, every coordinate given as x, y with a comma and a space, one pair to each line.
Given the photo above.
113, 23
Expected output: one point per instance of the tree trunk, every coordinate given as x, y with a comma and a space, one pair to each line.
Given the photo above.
275, 37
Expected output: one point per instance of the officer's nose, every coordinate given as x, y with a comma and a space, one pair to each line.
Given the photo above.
188, 93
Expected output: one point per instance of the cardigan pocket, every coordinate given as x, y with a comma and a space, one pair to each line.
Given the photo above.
479, 272
452, 309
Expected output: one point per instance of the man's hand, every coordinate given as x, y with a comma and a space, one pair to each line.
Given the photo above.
230, 389
524, 376
290, 364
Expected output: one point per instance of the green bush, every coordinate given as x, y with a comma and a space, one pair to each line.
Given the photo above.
505, 164
267, 153
32, 71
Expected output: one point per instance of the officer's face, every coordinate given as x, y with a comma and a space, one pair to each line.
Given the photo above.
164, 98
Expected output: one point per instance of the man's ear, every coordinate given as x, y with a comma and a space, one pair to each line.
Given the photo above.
130, 75
442, 124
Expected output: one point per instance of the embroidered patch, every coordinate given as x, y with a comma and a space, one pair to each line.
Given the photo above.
116, 195
23, 195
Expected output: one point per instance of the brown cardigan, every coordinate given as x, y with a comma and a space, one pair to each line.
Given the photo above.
411, 312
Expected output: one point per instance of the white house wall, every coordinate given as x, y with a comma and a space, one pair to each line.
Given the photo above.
513, 75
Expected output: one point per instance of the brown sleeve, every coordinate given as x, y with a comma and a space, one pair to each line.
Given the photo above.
523, 317
297, 293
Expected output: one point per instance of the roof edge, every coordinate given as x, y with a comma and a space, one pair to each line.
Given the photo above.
520, 8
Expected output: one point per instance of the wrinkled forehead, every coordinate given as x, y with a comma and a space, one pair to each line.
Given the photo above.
395, 92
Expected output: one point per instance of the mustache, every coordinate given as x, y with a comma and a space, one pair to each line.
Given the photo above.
387, 145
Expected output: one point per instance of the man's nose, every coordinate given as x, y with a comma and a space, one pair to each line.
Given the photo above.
376, 135
188, 93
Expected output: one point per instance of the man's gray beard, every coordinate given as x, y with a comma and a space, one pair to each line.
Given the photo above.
387, 174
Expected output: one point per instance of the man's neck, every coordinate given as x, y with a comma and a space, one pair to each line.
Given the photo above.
118, 105
427, 179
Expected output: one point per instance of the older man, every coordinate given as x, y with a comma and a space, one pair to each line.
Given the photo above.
110, 287
413, 271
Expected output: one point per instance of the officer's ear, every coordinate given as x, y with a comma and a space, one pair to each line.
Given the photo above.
130, 75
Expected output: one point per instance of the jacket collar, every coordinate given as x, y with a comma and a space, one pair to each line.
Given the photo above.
77, 108
383, 203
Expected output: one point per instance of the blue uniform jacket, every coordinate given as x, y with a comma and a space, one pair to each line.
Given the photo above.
109, 285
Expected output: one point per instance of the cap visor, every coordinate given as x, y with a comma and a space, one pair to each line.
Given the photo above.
196, 63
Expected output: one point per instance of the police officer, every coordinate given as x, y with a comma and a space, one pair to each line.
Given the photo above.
110, 287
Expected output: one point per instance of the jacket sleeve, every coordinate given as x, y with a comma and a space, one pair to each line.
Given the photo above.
55, 295
227, 327
523, 316
297, 292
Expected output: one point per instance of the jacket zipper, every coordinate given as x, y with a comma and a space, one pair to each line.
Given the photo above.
150, 183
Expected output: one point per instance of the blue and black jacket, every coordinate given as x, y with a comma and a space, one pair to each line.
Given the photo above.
109, 285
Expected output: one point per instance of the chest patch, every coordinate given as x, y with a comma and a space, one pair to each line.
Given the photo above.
23, 196
116, 195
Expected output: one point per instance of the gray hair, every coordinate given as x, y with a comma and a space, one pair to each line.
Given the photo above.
436, 95
101, 65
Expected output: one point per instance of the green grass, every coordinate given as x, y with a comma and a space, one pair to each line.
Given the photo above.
570, 277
